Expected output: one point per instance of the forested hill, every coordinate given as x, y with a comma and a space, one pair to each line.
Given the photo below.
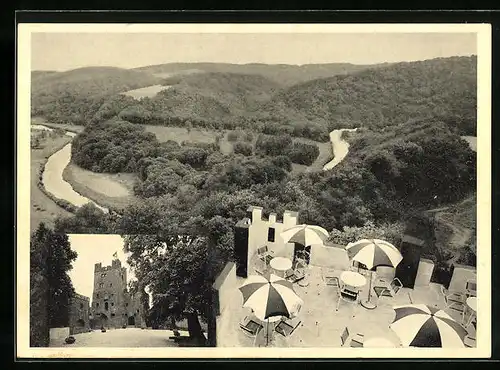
442, 88
75, 96
285, 74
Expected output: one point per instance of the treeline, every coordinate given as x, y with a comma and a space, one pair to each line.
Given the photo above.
442, 88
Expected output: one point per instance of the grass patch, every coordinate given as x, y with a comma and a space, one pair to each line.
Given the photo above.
113, 191
43, 208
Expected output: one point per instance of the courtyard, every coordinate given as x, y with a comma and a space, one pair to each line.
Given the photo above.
121, 338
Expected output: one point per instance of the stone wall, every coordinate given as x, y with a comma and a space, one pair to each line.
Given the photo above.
79, 314
58, 335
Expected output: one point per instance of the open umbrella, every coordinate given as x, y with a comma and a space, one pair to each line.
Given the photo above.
373, 253
305, 235
419, 325
270, 297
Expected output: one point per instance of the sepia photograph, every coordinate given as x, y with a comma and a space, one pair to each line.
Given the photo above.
252, 190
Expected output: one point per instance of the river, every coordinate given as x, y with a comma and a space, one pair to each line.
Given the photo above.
340, 148
53, 180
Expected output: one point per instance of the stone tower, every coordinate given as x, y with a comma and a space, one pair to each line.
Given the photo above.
112, 305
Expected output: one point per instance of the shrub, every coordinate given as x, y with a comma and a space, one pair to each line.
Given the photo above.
243, 148
232, 136
303, 153
70, 340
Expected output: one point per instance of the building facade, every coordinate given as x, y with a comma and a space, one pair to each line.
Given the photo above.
113, 306
79, 314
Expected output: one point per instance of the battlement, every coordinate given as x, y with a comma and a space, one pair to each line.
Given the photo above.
115, 264
255, 215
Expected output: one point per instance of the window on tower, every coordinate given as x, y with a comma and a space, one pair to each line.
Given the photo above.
110, 284
106, 306
103, 275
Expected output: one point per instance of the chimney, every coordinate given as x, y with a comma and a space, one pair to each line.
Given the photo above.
97, 267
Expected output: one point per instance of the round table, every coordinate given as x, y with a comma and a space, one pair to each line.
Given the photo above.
378, 343
472, 304
353, 279
281, 264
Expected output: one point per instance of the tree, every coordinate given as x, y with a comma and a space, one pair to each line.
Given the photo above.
51, 287
243, 148
88, 219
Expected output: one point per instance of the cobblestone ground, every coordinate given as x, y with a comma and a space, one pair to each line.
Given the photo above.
130, 337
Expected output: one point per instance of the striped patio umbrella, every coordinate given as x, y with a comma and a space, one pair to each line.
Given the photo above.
373, 253
419, 325
269, 297
305, 235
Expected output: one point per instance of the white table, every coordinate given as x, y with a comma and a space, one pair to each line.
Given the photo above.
378, 343
354, 279
471, 303
281, 264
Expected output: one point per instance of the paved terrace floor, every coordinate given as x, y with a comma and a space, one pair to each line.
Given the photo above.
321, 325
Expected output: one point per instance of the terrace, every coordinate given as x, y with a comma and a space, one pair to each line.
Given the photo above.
319, 323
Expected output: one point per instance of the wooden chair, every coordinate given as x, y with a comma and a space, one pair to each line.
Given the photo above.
286, 327
390, 290
355, 341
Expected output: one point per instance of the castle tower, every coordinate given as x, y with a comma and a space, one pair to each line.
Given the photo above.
109, 299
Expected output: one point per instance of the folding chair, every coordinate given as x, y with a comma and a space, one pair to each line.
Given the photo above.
287, 327
250, 327
390, 290
331, 279
355, 341
347, 295
470, 288
264, 255
453, 300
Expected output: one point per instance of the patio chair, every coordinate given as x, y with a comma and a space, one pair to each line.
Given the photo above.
250, 327
331, 279
355, 341
265, 255
294, 276
453, 300
470, 338
470, 288
347, 295
390, 290
384, 274
286, 327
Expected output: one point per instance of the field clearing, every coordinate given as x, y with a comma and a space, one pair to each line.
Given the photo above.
146, 92
43, 209
113, 191
180, 134
63, 126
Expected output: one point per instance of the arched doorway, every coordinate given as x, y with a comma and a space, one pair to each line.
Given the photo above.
103, 320
131, 320
80, 323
